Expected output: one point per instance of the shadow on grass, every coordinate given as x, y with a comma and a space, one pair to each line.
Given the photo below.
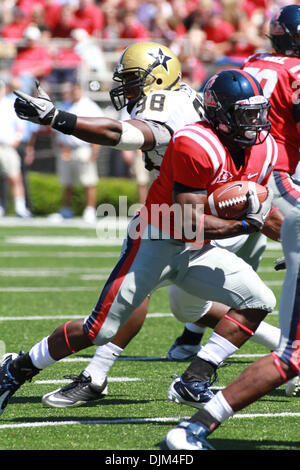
92, 404
253, 445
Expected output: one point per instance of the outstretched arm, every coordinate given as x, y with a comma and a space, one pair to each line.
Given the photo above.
110, 132
124, 135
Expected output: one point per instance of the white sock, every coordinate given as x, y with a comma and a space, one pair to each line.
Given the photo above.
39, 354
19, 204
102, 361
219, 408
195, 328
217, 349
267, 335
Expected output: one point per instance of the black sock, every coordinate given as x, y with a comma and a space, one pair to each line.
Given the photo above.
189, 337
205, 418
199, 370
22, 368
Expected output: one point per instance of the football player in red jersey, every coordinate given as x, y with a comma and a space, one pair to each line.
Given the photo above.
279, 76
159, 104
233, 142
265, 374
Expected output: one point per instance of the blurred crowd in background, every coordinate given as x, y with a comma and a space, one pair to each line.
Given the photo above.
65, 42
52, 39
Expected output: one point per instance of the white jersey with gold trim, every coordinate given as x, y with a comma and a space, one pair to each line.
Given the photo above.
166, 111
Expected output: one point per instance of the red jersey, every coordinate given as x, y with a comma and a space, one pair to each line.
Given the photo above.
279, 77
197, 159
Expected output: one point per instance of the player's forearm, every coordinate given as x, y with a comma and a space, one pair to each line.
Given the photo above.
273, 224
216, 228
101, 131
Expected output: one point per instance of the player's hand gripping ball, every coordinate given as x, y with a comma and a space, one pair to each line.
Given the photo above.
230, 200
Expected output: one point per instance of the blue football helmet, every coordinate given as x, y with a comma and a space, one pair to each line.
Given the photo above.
236, 108
285, 31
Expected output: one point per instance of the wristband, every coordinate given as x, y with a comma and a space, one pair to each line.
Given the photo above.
64, 122
245, 226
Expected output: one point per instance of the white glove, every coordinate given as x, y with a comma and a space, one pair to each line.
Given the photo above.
257, 212
39, 110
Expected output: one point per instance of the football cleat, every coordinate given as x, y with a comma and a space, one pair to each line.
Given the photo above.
76, 393
194, 394
187, 436
8, 384
292, 386
182, 352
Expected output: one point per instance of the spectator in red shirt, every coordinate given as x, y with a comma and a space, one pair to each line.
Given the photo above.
52, 11
27, 6
15, 23
65, 63
218, 30
89, 16
33, 61
65, 22
132, 28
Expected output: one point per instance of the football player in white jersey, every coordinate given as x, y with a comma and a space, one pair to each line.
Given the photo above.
158, 104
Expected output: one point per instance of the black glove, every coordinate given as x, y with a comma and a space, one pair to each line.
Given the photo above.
39, 110
257, 212
279, 264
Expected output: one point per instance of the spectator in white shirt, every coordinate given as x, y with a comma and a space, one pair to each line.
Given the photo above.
77, 162
11, 132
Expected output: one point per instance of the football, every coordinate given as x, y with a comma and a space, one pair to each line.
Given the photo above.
229, 201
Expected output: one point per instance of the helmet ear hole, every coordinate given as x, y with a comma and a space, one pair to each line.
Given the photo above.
159, 81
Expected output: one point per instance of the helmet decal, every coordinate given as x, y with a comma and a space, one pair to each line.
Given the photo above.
209, 98
144, 67
285, 31
236, 108
161, 58
277, 29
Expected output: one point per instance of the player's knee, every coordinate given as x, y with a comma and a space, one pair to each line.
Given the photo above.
268, 300
186, 307
104, 336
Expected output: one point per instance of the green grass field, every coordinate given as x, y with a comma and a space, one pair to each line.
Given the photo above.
52, 274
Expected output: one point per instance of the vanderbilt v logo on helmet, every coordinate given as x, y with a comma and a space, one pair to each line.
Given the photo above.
144, 67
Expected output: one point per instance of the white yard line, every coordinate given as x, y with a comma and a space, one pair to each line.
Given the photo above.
64, 241
109, 379
82, 288
59, 254
166, 419
49, 272
47, 289
72, 317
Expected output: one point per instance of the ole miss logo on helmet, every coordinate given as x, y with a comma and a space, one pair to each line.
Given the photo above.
277, 29
209, 98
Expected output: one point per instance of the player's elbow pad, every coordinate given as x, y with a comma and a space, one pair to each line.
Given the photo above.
131, 137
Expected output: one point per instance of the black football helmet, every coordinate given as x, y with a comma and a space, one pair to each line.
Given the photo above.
285, 31
236, 108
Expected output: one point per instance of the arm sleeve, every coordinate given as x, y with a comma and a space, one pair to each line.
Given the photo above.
161, 132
